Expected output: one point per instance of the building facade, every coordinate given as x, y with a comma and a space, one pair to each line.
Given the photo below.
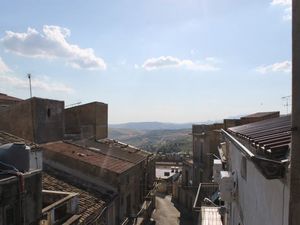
35, 119
255, 186
20, 181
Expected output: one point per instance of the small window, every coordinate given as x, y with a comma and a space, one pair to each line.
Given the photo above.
166, 174
48, 112
244, 167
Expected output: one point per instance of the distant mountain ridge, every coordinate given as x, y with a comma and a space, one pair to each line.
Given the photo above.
157, 125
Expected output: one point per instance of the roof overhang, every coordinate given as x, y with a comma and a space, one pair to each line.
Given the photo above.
271, 169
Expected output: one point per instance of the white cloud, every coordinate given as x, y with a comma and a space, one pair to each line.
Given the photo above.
173, 62
287, 4
285, 66
52, 43
3, 67
7, 78
37, 83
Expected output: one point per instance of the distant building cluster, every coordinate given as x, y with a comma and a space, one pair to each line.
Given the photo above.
57, 166
237, 174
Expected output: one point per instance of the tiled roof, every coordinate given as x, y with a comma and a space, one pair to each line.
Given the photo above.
261, 114
8, 98
6, 138
116, 149
91, 203
89, 156
270, 137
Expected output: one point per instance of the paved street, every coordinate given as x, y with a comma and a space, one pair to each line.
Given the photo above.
167, 214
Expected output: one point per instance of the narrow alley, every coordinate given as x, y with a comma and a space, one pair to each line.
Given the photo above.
167, 214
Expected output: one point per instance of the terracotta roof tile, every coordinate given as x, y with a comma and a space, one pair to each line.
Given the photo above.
6, 138
89, 156
91, 203
116, 149
9, 98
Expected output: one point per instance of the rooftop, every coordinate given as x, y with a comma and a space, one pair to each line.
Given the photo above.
90, 156
9, 98
91, 203
115, 149
270, 138
261, 114
6, 138
265, 143
203, 128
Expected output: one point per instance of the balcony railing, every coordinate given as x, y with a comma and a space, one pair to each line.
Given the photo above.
205, 190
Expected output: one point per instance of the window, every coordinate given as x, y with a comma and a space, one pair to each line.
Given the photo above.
48, 112
166, 174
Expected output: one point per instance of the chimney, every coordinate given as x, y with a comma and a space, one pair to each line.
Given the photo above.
294, 205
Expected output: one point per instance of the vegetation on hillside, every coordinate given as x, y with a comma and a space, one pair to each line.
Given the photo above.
166, 141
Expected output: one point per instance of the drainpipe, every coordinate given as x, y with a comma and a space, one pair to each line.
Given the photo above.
294, 203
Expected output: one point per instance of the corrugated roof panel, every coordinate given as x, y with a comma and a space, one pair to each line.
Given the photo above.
270, 137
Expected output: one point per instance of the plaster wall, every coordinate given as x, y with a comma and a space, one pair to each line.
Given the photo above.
258, 200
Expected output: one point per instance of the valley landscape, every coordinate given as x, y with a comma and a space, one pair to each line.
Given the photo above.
154, 136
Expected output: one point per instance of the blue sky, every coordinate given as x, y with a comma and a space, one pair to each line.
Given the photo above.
159, 60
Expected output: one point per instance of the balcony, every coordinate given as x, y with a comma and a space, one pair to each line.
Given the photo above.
207, 205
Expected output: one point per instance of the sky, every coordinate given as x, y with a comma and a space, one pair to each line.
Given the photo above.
159, 60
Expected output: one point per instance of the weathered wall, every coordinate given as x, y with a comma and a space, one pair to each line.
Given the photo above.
87, 172
249, 119
231, 123
89, 120
150, 170
32, 201
48, 120
129, 183
7, 101
35, 119
258, 201
17, 120
206, 139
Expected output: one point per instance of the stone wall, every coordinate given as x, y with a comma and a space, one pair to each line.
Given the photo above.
89, 120
31, 207
38, 120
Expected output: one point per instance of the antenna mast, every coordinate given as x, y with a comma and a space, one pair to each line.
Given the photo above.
287, 102
29, 78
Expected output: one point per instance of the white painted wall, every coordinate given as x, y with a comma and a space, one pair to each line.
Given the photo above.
258, 201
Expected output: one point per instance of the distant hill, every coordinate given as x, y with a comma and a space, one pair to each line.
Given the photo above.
156, 125
176, 140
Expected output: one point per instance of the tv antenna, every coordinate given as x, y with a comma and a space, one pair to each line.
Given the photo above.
286, 104
29, 78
